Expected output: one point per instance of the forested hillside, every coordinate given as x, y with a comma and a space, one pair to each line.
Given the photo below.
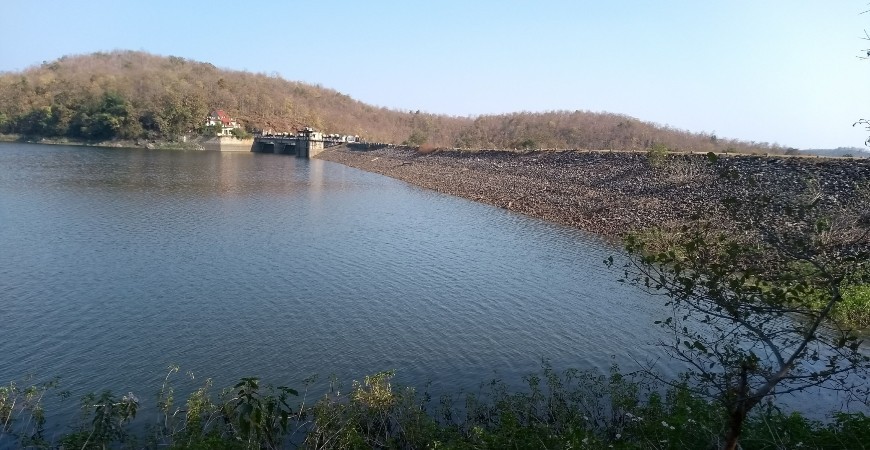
136, 95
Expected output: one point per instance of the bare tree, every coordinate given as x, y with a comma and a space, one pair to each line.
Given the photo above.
753, 304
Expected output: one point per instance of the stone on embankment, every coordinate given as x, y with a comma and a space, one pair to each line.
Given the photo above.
609, 193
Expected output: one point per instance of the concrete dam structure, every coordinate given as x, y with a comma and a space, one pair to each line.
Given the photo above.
307, 144
227, 144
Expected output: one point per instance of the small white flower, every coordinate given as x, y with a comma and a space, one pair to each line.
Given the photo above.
664, 424
618, 435
672, 427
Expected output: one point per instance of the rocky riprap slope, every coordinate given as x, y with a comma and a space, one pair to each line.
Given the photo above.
608, 193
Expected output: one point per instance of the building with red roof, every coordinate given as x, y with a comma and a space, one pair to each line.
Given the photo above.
219, 117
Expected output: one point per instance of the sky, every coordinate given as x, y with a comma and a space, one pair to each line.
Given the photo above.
777, 71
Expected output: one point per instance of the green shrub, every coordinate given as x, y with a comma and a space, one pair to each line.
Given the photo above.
568, 409
855, 308
416, 139
657, 155
239, 133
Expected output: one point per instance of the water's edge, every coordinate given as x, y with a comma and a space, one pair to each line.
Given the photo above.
607, 193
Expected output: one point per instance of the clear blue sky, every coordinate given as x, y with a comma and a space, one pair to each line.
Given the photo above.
764, 70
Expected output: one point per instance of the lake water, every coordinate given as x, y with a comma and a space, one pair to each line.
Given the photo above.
116, 263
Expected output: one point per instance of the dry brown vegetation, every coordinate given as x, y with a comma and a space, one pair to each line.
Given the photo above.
136, 95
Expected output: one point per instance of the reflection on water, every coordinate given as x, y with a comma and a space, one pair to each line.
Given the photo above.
117, 263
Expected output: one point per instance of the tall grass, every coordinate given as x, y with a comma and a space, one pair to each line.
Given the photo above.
567, 409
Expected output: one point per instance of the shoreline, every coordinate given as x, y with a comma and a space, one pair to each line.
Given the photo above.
114, 143
197, 143
607, 193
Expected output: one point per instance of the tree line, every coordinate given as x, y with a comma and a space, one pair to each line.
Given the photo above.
135, 95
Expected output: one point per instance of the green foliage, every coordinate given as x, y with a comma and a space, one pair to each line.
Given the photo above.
36, 122
753, 310
569, 409
104, 420
416, 139
372, 415
259, 417
212, 130
22, 413
526, 144
5, 123
179, 113
855, 307
240, 133
657, 155
107, 118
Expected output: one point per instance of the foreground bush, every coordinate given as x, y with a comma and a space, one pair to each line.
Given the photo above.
570, 409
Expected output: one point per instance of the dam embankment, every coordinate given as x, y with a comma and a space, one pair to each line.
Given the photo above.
608, 193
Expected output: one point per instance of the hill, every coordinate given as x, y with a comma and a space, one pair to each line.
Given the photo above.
854, 152
136, 95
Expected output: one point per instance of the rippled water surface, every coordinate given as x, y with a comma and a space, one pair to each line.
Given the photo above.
115, 263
